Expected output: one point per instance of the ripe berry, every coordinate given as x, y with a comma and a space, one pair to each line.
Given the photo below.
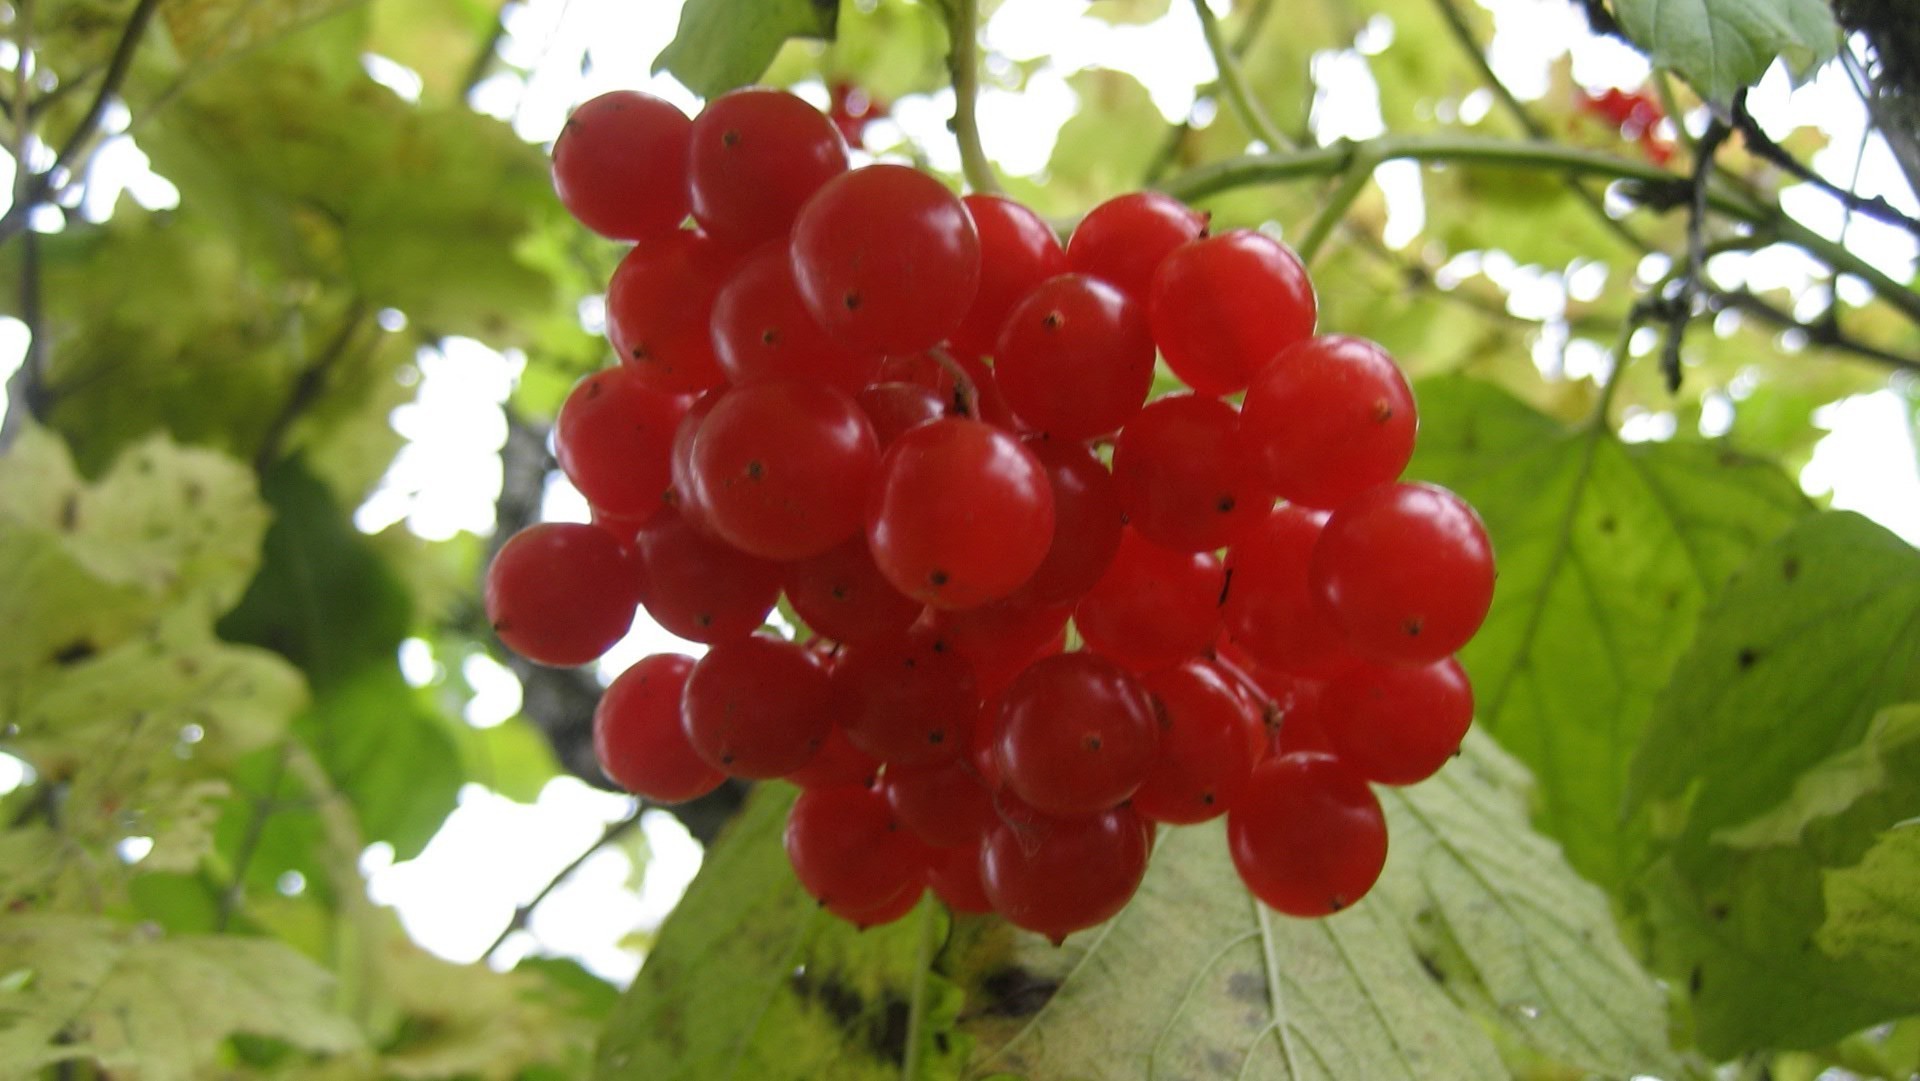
1406, 570
757, 156
1184, 474
1307, 835
757, 706
620, 165
638, 736
962, 514
886, 259
702, 589
613, 438
659, 305
1209, 742
1074, 735
1329, 418
1018, 251
561, 593
1398, 724
849, 850
1124, 239
1222, 307
1154, 606
1075, 360
1055, 876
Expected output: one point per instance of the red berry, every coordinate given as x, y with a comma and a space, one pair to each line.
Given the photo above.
843, 596
1055, 876
849, 850
701, 589
561, 593
1075, 735
1222, 307
1271, 611
1124, 239
1018, 251
1075, 359
638, 736
784, 467
886, 259
1184, 474
757, 707
909, 700
1329, 418
659, 307
613, 438
620, 165
762, 331
1398, 724
1154, 606
1209, 743
757, 156
1406, 570
962, 514
1307, 835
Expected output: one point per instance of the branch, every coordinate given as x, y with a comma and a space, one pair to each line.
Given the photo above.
524, 912
263, 807
1463, 36
1678, 308
1354, 180
1760, 145
1177, 133
963, 63
308, 388
1234, 83
1655, 186
83, 132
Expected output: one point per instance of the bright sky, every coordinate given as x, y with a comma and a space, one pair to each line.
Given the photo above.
493, 853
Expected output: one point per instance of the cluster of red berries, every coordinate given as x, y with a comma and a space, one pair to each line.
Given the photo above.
895, 406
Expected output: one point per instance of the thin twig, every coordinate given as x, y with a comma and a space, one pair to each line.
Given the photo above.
1164, 157
1760, 145
1678, 309
1463, 36
963, 64
83, 132
523, 913
263, 807
308, 388
1234, 83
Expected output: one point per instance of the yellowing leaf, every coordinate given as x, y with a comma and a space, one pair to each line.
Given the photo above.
153, 1006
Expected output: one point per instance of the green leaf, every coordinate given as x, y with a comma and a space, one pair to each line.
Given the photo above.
513, 758
751, 978
156, 1007
1805, 645
205, 31
1476, 928
1721, 46
1769, 763
1100, 152
1873, 907
1606, 553
722, 44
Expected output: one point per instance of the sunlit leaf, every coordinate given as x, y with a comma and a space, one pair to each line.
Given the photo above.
1873, 907
722, 44
1606, 552
1764, 768
155, 1006
1721, 46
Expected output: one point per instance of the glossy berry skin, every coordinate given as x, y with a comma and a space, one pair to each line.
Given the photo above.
1074, 357
945, 804
1209, 743
761, 330
1123, 240
1398, 724
1087, 518
848, 849
1018, 251
1055, 876
1271, 610
620, 165
1330, 417
613, 438
1222, 307
1307, 836
838, 762
1185, 476
638, 737
1075, 735
886, 259
896, 407
907, 701
699, 588
659, 306
757, 155
757, 707
1001, 639
783, 468
844, 597
1154, 606
561, 593
962, 514
1406, 570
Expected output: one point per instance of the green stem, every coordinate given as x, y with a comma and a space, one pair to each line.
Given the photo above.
1234, 83
1354, 181
963, 64
917, 1004
1455, 148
